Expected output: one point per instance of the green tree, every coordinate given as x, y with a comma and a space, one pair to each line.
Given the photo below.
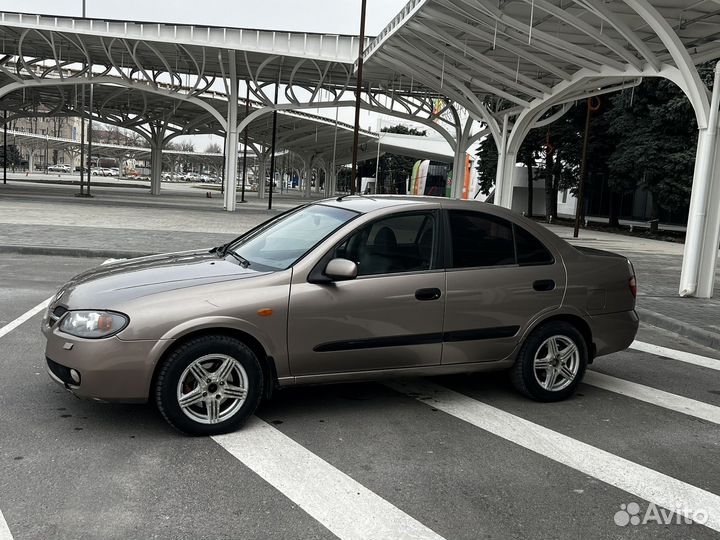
13, 155
656, 139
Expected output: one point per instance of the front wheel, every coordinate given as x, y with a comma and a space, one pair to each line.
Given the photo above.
551, 363
209, 385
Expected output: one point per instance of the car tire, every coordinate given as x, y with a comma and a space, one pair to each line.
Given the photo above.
551, 362
230, 393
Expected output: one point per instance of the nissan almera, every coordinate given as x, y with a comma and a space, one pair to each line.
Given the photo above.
345, 289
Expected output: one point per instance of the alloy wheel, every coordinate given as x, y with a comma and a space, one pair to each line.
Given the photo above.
556, 363
212, 388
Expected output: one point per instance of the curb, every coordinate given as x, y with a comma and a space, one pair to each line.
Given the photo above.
68, 182
73, 252
703, 337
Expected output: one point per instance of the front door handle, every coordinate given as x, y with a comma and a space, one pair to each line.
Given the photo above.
544, 285
428, 294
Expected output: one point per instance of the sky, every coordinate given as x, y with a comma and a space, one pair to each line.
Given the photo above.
331, 16
335, 16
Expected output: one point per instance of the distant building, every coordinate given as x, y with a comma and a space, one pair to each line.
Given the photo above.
63, 127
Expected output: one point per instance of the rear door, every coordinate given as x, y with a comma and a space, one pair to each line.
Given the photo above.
499, 278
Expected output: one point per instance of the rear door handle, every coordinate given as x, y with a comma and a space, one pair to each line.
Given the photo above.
428, 294
544, 285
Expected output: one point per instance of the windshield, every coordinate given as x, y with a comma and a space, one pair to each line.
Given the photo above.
281, 243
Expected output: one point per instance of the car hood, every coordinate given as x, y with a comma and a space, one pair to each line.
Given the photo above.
121, 281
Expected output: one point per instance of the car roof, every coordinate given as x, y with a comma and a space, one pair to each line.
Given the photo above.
370, 203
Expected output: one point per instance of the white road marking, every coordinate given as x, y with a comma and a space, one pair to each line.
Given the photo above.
5, 330
5, 533
681, 404
345, 507
682, 356
631, 477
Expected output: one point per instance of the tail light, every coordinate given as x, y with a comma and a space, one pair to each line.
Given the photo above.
632, 282
633, 286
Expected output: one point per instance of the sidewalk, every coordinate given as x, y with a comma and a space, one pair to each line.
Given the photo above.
125, 223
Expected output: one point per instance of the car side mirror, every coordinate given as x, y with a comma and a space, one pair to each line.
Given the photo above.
341, 270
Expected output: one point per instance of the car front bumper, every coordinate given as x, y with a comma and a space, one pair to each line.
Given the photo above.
109, 369
614, 331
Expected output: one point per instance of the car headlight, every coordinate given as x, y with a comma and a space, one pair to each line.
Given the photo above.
93, 324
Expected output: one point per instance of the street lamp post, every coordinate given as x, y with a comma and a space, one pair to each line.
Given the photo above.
358, 93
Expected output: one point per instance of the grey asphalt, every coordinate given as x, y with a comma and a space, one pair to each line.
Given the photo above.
75, 469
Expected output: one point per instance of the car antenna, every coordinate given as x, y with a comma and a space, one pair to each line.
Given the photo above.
341, 197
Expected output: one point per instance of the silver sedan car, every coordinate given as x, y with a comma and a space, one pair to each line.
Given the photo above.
345, 289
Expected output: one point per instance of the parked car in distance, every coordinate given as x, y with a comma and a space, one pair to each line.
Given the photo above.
345, 289
59, 168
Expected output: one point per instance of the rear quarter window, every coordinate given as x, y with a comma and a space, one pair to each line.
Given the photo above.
530, 251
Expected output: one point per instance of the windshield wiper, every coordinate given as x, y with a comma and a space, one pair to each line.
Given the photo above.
242, 260
220, 250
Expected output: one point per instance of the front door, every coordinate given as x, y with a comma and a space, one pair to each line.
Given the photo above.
389, 317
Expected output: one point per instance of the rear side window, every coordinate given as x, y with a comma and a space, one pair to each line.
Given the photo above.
481, 240
530, 251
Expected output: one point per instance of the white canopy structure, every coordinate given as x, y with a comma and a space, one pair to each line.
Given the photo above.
465, 68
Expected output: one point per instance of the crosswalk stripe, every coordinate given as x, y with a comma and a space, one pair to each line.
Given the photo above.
682, 356
641, 481
24, 317
345, 507
5, 533
681, 404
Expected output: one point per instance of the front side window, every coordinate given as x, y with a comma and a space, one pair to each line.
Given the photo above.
401, 243
281, 243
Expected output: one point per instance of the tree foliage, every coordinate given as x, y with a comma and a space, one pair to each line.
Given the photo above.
13, 155
642, 137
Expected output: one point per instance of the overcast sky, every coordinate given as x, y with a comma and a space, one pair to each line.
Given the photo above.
336, 16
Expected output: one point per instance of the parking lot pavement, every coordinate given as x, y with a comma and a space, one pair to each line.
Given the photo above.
447, 457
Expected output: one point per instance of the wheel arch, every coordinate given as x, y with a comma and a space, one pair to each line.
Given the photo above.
267, 362
576, 321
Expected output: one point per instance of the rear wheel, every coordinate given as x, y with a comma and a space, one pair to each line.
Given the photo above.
209, 385
551, 363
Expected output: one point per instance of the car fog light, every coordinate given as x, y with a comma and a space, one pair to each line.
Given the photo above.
75, 376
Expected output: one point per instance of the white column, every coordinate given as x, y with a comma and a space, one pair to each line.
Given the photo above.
307, 171
261, 175
500, 178
333, 181
709, 251
155, 166
509, 165
458, 170
703, 229
231, 139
